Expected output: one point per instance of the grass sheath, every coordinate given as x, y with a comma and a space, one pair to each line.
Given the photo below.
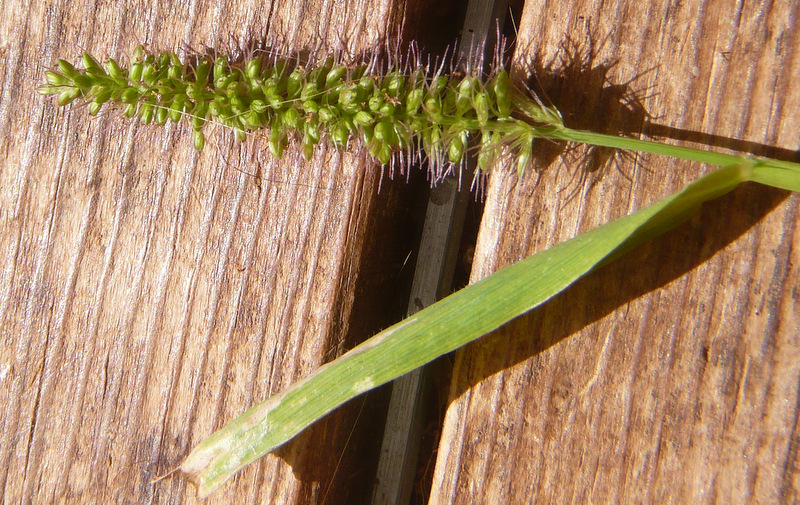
407, 112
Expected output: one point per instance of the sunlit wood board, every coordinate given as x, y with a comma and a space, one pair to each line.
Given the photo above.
670, 376
149, 293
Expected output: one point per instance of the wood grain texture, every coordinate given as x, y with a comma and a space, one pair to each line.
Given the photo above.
672, 375
150, 293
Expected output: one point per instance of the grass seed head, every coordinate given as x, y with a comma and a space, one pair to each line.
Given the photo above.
402, 110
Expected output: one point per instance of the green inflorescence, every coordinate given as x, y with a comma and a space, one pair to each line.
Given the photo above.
409, 112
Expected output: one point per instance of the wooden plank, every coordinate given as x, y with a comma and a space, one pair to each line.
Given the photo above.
150, 293
672, 375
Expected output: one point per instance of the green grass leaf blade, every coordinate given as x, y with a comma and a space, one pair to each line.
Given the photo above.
451, 323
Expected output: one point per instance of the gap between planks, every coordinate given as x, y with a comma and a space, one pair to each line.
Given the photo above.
433, 278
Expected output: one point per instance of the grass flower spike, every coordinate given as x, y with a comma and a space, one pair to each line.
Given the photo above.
411, 113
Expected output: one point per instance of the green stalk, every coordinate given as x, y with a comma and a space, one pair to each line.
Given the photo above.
769, 171
648, 146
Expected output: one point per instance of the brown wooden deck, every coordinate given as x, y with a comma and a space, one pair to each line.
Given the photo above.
670, 376
149, 293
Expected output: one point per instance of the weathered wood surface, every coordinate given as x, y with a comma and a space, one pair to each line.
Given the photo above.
150, 293
672, 375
